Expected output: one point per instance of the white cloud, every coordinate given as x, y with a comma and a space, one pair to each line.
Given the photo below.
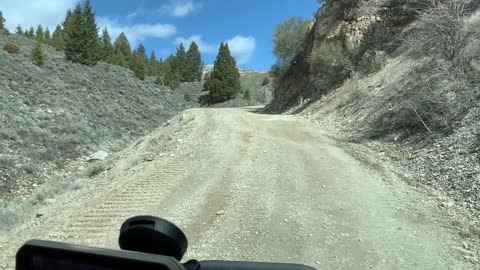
137, 32
132, 15
242, 48
204, 47
180, 8
48, 13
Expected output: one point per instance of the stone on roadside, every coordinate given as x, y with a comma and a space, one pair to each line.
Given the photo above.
99, 155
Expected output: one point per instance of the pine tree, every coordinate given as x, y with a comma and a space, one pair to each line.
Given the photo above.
2, 22
122, 45
58, 40
152, 64
38, 56
106, 46
39, 34
226, 78
47, 37
194, 63
19, 30
167, 75
122, 51
138, 62
91, 53
81, 35
180, 65
31, 32
73, 34
138, 66
141, 51
209, 84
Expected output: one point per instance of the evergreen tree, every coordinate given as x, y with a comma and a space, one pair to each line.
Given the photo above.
167, 75
122, 45
39, 34
2, 22
38, 56
141, 51
180, 65
209, 84
106, 46
138, 62
58, 40
81, 35
138, 66
19, 30
47, 37
226, 78
73, 34
152, 64
194, 63
91, 53
122, 51
31, 32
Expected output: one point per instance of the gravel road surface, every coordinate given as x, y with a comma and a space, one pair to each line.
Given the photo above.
247, 186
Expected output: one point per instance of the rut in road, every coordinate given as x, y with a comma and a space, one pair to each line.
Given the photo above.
246, 186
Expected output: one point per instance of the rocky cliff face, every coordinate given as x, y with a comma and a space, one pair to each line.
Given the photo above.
336, 25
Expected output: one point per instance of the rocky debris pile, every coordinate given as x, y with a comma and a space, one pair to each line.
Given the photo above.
63, 112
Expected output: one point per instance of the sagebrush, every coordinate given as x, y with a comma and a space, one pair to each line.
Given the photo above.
11, 48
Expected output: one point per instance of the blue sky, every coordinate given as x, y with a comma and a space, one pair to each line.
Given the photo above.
247, 25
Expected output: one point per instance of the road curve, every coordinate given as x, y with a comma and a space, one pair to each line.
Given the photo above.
247, 186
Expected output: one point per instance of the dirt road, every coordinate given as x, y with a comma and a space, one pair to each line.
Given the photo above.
247, 186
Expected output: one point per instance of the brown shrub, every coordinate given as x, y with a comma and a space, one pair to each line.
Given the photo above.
11, 48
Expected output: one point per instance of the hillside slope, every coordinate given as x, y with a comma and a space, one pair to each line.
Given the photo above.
251, 81
63, 112
414, 108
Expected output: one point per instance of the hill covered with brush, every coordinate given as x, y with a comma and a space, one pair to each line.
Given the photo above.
60, 112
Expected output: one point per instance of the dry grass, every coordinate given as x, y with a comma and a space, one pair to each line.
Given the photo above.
11, 48
22, 209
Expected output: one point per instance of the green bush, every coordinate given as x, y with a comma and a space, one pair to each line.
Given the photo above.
331, 63
160, 80
11, 48
95, 169
289, 39
38, 56
187, 97
246, 95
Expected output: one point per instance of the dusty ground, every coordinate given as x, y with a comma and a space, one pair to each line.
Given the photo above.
256, 187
